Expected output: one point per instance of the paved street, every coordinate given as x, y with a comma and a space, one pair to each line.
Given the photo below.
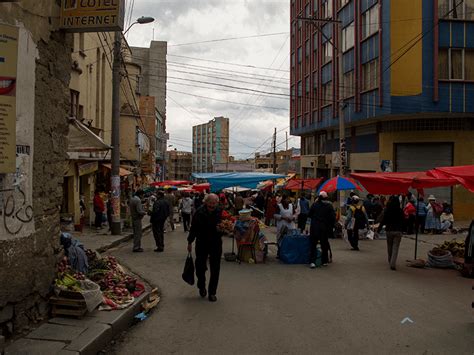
355, 305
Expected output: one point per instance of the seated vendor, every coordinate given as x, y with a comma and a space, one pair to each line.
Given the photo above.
447, 218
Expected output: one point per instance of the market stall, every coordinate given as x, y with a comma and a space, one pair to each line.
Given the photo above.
220, 181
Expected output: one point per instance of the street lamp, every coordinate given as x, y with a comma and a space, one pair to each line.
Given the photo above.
115, 226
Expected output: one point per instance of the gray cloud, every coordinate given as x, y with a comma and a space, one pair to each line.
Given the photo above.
192, 21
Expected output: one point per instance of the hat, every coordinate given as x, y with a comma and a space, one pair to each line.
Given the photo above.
323, 194
245, 214
431, 198
355, 198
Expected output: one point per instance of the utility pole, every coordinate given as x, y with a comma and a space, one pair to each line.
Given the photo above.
286, 140
115, 171
274, 151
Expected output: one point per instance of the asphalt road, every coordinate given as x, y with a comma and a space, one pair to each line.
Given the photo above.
355, 305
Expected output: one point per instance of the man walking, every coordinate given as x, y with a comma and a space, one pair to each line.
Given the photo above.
208, 244
323, 219
393, 220
169, 197
356, 220
186, 207
137, 212
303, 209
158, 217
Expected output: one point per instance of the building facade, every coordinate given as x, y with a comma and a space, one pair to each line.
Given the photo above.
179, 165
152, 82
210, 144
31, 193
402, 75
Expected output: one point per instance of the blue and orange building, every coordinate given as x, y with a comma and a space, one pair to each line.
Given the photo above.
405, 86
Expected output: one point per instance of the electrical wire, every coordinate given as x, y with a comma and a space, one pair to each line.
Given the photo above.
227, 39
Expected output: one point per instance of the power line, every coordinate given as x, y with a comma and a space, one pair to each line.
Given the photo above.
228, 39
227, 63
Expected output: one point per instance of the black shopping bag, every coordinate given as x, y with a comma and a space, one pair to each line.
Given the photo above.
188, 272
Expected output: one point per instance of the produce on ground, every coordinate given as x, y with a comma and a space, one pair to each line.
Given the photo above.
455, 247
66, 278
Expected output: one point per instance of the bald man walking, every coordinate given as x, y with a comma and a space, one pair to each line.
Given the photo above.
208, 245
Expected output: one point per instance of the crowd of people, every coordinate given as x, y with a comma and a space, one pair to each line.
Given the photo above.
201, 213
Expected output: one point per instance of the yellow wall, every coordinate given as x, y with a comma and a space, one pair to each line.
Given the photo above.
128, 147
463, 200
406, 73
94, 80
364, 161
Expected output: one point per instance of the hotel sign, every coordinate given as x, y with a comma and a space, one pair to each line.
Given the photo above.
92, 15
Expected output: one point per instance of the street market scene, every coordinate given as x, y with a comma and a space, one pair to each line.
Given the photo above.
256, 177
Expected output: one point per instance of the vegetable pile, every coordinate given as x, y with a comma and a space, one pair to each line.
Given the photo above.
66, 279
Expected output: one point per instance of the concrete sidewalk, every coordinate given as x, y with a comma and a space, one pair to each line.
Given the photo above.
93, 332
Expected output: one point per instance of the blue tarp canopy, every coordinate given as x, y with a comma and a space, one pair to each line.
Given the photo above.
221, 181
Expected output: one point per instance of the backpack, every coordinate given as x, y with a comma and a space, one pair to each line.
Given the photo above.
359, 217
437, 208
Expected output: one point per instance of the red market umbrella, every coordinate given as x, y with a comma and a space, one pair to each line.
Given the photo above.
170, 183
463, 174
302, 184
339, 183
202, 187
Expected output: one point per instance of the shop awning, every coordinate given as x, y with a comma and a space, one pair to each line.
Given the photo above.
122, 171
81, 139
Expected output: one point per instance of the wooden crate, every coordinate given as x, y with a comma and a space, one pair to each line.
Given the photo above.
68, 306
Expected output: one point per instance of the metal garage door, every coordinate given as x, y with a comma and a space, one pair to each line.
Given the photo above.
425, 156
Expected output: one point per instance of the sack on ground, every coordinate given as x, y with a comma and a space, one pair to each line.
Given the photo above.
294, 248
188, 272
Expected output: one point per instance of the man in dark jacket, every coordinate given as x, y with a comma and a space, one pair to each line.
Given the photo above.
159, 213
394, 222
208, 244
323, 219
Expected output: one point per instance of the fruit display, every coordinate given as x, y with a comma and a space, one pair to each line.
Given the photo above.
226, 226
115, 284
66, 278
455, 247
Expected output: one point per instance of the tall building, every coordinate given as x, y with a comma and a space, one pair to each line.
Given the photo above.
152, 82
210, 144
405, 86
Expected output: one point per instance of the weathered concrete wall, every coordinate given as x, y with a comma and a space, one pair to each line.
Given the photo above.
28, 259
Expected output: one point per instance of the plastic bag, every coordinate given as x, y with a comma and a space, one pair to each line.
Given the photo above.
351, 224
370, 235
188, 272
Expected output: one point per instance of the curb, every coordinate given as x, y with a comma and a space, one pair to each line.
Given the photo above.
121, 240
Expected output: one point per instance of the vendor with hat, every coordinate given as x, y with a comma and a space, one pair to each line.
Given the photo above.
433, 223
356, 219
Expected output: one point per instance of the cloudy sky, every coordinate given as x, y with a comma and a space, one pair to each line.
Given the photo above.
263, 64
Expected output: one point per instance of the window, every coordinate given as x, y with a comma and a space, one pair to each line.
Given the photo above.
327, 52
314, 117
370, 21
293, 59
300, 89
469, 64
292, 92
305, 120
456, 64
348, 37
369, 75
348, 84
327, 9
315, 81
300, 54
298, 120
315, 7
315, 41
456, 9
293, 28
74, 108
327, 94
307, 85
343, 3
307, 11
443, 63
307, 48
